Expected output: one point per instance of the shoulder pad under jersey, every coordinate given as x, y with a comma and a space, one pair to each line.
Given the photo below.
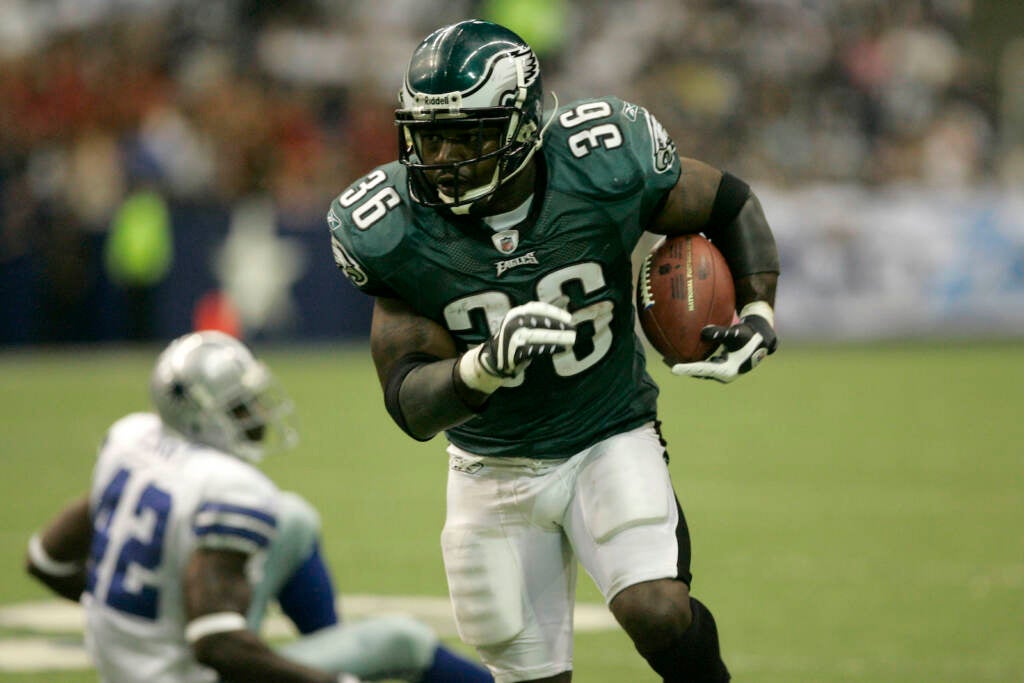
132, 432
237, 508
608, 147
368, 223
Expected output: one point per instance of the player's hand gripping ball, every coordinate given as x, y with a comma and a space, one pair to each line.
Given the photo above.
684, 286
742, 346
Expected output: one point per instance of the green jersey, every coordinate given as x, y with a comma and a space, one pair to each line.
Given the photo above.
607, 166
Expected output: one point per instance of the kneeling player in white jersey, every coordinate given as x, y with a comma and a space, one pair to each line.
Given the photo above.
182, 543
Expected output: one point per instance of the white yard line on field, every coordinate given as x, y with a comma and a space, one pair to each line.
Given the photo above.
47, 620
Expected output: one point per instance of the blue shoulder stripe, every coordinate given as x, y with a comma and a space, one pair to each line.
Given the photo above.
258, 539
261, 515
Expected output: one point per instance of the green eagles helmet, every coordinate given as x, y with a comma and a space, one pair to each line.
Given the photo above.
208, 387
475, 73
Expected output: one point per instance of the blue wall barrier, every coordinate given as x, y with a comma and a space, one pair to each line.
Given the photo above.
858, 264
70, 298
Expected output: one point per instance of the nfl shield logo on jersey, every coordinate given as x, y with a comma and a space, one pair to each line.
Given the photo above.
506, 241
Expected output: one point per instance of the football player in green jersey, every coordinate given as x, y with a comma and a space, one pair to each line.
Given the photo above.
498, 248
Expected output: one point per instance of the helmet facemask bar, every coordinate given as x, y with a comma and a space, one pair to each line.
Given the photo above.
259, 419
511, 151
208, 387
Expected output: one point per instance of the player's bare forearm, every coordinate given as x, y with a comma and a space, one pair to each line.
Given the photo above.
688, 205
70, 587
415, 360
756, 287
242, 656
215, 582
69, 535
398, 331
59, 561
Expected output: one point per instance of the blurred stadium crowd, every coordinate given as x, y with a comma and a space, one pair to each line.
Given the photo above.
212, 102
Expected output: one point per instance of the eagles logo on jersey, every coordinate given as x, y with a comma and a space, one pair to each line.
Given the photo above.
663, 149
353, 271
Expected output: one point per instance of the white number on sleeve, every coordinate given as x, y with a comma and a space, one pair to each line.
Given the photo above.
374, 208
606, 135
358, 191
582, 142
588, 111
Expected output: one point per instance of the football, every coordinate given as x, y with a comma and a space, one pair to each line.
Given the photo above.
684, 285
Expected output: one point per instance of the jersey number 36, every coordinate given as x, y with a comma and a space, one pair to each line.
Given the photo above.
494, 304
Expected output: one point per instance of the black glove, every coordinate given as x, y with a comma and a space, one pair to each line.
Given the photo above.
741, 347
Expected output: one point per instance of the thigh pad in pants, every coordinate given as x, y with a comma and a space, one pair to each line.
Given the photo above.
485, 584
623, 485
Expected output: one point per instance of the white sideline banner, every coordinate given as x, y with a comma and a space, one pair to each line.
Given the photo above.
863, 264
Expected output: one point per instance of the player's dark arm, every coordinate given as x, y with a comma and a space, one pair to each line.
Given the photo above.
217, 596
57, 555
416, 366
725, 209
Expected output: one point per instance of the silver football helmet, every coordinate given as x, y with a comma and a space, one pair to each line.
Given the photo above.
208, 387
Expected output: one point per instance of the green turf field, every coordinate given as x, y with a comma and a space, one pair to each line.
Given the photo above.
856, 513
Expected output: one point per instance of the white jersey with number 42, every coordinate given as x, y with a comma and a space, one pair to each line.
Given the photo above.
156, 498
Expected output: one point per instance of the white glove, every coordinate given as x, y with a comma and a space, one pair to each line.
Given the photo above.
741, 347
527, 331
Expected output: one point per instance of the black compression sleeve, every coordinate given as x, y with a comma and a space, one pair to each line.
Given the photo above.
731, 196
424, 395
401, 369
739, 229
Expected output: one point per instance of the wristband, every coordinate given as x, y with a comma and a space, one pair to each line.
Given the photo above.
761, 308
473, 375
42, 560
209, 624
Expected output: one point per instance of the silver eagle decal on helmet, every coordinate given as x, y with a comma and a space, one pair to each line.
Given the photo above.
530, 65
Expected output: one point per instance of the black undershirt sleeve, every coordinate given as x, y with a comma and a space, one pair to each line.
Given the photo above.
392, 389
739, 229
425, 395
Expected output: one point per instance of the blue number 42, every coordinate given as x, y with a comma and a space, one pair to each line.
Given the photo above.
126, 590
